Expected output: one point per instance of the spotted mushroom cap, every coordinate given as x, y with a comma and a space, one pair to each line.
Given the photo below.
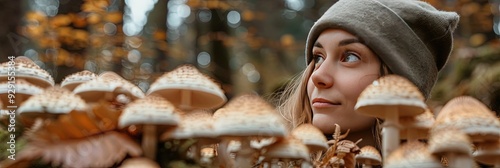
21, 87
413, 154
450, 140
249, 115
311, 136
107, 82
151, 110
488, 153
391, 90
206, 93
70, 82
421, 123
53, 100
369, 155
26, 69
194, 124
288, 148
471, 116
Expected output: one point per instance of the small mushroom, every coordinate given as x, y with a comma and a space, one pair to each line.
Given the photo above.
26, 69
454, 145
20, 89
470, 116
288, 150
488, 153
311, 136
368, 156
155, 115
413, 154
139, 162
417, 127
391, 97
71, 81
188, 89
245, 118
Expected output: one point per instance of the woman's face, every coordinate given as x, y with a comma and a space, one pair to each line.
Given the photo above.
343, 68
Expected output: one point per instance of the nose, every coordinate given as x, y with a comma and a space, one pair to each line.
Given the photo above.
322, 77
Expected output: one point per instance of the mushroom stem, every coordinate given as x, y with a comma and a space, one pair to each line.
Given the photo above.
149, 141
459, 160
244, 155
185, 100
223, 155
390, 137
367, 166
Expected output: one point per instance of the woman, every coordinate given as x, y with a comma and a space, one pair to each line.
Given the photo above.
355, 42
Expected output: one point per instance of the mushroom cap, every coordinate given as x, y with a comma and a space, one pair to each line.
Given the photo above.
139, 162
391, 90
249, 115
107, 82
22, 88
369, 155
71, 81
53, 100
488, 153
471, 116
197, 124
412, 154
151, 110
287, 148
26, 69
206, 93
449, 140
421, 123
311, 136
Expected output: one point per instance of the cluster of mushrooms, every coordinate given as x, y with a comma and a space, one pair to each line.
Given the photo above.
103, 120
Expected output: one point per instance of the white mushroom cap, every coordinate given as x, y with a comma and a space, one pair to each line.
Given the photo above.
26, 69
287, 148
311, 136
53, 100
150, 110
206, 93
249, 115
194, 124
22, 88
413, 154
471, 116
70, 82
488, 153
421, 123
391, 90
450, 140
369, 155
107, 82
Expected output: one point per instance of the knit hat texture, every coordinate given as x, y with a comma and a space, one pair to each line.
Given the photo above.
412, 38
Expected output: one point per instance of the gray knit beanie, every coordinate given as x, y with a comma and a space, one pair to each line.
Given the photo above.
411, 37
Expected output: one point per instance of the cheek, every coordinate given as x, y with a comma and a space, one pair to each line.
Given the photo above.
310, 87
355, 84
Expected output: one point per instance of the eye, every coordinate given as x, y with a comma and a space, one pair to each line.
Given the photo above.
318, 59
350, 57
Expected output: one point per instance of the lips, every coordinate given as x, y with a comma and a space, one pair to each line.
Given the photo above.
320, 102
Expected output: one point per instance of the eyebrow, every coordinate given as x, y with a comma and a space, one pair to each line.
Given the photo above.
341, 43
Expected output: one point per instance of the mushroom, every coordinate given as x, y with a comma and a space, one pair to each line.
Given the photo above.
71, 81
139, 162
188, 89
107, 86
196, 125
471, 116
454, 145
488, 153
413, 154
368, 156
49, 105
245, 118
26, 69
417, 127
311, 136
155, 115
390, 97
288, 150
21, 90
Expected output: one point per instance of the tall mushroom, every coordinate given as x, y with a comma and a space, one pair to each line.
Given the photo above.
368, 156
454, 145
390, 97
26, 69
189, 89
153, 115
413, 154
245, 118
71, 81
417, 127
